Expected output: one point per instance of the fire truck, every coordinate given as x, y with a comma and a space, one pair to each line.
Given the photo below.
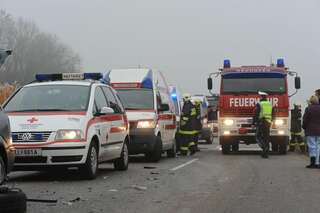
238, 97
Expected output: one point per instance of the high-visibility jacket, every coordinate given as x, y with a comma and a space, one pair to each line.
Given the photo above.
198, 118
265, 110
188, 115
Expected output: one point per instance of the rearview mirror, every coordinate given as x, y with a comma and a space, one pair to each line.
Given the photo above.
106, 110
164, 107
209, 83
297, 82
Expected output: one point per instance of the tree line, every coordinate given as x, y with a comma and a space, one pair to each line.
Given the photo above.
34, 51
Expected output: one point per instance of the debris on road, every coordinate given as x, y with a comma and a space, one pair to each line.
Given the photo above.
155, 173
139, 188
41, 200
149, 167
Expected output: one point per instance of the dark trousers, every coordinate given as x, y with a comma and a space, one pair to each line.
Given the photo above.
185, 141
296, 139
263, 136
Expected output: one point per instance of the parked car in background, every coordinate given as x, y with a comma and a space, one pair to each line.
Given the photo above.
207, 128
213, 107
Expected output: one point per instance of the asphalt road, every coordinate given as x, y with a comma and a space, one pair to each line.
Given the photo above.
206, 182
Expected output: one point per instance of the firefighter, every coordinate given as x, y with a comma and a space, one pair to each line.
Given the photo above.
296, 129
187, 131
198, 123
262, 122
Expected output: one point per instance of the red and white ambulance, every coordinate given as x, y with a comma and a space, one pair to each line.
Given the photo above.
68, 120
150, 109
238, 97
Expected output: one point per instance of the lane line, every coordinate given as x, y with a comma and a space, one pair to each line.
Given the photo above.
183, 165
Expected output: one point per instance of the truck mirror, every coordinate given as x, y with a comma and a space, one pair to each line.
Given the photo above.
209, 83
297, 82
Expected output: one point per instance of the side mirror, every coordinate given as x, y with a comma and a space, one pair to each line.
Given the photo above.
106, 110
210, 84
164, 107
297, 82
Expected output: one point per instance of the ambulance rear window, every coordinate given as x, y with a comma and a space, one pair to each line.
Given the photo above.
49, 98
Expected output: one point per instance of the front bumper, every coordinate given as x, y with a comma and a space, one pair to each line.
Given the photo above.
142, 141
53, 155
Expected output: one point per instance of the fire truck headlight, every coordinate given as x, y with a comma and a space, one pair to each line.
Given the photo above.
226, 133
281, 132
146, 124
228, 122
279, 122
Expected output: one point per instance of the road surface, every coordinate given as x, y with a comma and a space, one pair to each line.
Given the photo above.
207, 182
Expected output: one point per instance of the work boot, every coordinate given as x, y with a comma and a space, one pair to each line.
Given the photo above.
291, 148
302, 148
312, 163
193, 150
183, 152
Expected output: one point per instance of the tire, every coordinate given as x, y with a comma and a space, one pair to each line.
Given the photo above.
3, 171
210, 139
12, 201
235, 147
225, 149
122, 163
155, 155
90, 169
171, 153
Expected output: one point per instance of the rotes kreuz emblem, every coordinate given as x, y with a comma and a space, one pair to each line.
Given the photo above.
32, 120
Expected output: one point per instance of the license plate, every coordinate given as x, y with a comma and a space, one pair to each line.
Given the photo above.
28, 152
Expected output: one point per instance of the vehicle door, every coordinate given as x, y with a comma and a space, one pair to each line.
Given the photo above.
118, 124
102, 123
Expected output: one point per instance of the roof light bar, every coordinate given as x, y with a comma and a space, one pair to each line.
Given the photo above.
68, 76
226, 63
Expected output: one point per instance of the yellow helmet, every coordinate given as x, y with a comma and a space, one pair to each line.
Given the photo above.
186, 97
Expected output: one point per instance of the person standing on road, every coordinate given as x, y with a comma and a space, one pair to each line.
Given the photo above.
262, 120
296, 129
317, 93
187, 131
198, 123
311, 126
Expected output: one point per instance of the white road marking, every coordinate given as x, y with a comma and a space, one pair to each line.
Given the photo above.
185, 164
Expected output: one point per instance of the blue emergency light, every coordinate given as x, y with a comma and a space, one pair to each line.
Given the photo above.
226, 63
68, 76
147, 81
280, 62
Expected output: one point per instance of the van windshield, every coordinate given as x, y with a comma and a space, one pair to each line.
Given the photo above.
49, 98
136, 98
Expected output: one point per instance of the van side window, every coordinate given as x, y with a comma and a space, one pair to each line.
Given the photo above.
99, 100
112, 100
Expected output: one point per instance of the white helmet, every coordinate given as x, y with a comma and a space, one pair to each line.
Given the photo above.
262, 93
186, 97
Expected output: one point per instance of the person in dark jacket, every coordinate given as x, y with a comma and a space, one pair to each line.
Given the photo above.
296, 129
311, 126
187, 131
198, 123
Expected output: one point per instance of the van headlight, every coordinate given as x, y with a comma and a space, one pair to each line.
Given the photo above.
146, 124
279, 122
69, 135
228, 122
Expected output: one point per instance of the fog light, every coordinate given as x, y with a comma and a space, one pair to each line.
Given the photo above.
226, 132
281, 132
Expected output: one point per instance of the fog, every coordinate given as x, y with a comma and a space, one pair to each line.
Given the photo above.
185, 39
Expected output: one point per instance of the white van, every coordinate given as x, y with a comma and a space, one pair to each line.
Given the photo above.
150, 109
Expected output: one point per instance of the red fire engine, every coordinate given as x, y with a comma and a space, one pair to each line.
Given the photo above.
238, 97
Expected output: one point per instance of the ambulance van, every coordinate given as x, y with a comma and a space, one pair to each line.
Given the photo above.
150, 110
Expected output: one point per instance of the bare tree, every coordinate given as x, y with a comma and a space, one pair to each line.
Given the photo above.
33, 51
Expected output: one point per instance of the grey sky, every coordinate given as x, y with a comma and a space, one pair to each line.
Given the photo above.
186, 39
